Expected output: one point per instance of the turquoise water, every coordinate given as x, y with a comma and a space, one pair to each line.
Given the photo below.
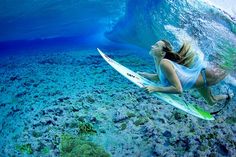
60, 98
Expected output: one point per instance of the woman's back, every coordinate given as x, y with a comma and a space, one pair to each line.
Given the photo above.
187, 75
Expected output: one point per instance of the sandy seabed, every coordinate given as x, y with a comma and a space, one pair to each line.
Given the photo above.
46, 95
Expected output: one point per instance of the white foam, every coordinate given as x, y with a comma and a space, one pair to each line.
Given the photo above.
228, 6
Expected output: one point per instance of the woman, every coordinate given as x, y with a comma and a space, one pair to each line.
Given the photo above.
182, 71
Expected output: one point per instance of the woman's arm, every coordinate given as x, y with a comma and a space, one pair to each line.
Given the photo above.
170, 89
149, 76
169, 71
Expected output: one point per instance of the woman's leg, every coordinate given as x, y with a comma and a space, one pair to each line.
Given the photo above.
214, 76
209, 77
206, 93
210, 99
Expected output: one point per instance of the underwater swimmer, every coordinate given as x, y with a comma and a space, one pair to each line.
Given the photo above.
182, 71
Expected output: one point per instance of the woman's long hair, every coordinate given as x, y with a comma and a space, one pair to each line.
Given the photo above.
184, 56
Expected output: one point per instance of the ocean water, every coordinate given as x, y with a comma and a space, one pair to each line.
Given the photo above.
60, 98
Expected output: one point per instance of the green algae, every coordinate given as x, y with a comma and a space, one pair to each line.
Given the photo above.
141, 121
123, 126
90, 99
78, 147
86, 128
36, 134
211, 136
26, 148
130, 114
45, 150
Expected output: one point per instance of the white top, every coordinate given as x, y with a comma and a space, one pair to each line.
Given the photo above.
187, 75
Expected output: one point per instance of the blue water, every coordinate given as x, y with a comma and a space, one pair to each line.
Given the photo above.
49, 64
96, 23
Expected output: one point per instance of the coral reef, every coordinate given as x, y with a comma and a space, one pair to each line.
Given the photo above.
78, 147
46, 96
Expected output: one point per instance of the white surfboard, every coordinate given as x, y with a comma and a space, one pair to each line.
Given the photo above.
171, 99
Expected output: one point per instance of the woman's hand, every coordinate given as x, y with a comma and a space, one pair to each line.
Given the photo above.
151, 89
148, 75
144, 74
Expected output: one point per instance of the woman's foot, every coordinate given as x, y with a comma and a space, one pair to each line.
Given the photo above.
230, 96
218, 98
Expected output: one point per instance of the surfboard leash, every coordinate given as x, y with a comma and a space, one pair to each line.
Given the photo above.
225, 104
